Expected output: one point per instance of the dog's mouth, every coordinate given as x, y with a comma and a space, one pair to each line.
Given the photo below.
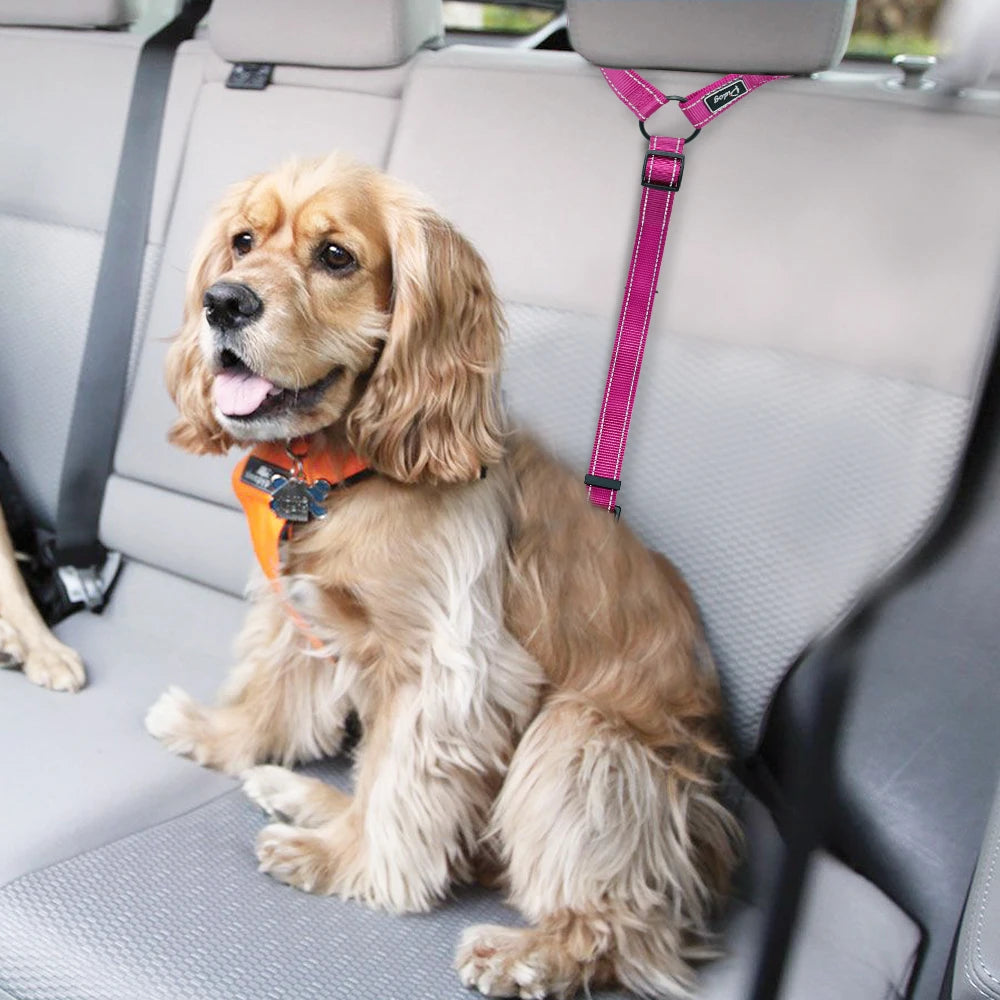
241, 394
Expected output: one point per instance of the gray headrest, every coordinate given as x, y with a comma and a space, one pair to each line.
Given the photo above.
67, 13
336, 33
737, 36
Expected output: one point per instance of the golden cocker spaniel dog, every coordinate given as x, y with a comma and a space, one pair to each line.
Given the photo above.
534, 689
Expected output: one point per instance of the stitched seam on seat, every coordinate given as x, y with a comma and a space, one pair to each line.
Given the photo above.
979, 989
982, 907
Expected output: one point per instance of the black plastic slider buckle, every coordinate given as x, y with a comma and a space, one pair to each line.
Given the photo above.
663, 154
602, 482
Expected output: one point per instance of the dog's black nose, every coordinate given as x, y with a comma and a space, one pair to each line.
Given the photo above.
229, 305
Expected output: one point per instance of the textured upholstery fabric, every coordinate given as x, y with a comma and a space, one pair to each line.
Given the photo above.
757, 36
734, 470
977, 964
323, 32
180, 911
67, 13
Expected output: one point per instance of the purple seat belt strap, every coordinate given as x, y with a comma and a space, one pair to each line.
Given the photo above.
662, 170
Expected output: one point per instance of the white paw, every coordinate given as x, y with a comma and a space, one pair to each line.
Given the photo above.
278, 791
295, 856
495, 961
176, 720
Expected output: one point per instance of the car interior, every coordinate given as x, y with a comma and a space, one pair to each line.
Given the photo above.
814, 444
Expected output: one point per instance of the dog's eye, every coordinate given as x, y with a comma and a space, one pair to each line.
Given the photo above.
242, 243
335, 258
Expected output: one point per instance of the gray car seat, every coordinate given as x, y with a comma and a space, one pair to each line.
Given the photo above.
798, 424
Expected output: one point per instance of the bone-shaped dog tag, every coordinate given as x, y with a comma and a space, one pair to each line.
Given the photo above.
291, 501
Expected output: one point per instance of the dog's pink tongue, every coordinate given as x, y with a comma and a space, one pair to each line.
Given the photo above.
237, 394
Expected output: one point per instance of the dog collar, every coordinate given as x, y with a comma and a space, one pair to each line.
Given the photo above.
281, 485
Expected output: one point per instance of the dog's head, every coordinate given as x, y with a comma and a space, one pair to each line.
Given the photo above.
326, 295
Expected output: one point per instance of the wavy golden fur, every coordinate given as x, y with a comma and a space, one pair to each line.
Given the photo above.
534, 689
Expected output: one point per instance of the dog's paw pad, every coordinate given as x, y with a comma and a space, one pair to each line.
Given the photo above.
55, 666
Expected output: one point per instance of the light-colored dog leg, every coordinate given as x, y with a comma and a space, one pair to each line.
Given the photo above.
412, 826
606, 844
294, 798
25, 639
280, 705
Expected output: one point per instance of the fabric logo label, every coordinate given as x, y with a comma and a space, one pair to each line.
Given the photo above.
718, 99
261, 474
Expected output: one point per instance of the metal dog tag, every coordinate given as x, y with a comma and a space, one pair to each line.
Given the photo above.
290, 501
295, 500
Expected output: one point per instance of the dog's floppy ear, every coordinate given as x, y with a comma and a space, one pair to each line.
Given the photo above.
189, 380
431, 412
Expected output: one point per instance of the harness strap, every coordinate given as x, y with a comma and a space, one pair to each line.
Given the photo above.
254, 479
662, 172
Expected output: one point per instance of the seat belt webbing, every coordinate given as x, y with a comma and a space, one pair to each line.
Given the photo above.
100, 390
662, 171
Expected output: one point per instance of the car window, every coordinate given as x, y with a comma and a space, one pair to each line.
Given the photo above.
499, 18
886, 28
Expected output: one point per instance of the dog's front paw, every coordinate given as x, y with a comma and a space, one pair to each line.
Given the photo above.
298, 857
509, 962
48, 663
178, 722
294, 798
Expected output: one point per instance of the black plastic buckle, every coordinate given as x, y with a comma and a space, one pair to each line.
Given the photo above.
602, 482
662, 154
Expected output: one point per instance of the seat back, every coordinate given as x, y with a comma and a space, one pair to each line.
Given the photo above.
827, 296
64, 95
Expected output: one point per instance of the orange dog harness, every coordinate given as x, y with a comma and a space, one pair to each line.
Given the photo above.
280, 486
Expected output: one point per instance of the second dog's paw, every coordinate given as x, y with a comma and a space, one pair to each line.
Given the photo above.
176, 720
54, 665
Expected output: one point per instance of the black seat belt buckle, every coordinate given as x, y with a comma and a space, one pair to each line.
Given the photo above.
662, 154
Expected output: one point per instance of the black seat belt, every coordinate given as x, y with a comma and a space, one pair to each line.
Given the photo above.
86, 569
